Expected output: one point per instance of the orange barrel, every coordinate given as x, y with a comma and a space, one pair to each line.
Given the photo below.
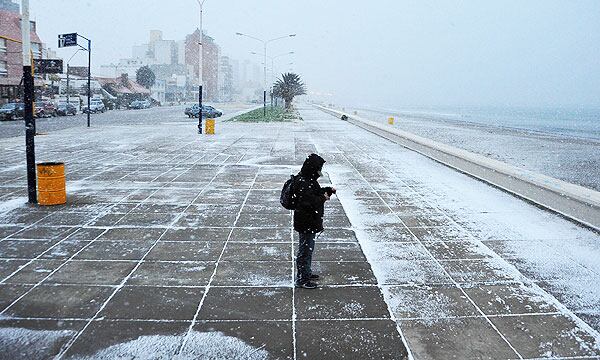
51, 183
210, 127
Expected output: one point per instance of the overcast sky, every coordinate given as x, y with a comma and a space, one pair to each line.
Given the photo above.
388, 53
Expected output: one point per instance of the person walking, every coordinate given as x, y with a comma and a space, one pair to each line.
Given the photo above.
308, 217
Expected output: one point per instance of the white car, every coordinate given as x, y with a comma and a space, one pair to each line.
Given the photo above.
95, 107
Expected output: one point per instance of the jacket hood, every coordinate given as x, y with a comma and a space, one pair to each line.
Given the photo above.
312, 165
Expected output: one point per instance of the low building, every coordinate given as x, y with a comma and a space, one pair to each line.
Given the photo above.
158, 91
123, 90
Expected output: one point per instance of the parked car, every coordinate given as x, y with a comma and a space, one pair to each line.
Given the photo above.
66, 109
207, 111
12, 111
96, 106
140, 104
44, 109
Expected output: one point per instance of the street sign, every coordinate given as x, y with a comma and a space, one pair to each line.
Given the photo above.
48, 66
65, 40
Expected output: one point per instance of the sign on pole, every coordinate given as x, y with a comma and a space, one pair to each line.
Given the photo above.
65, 40
48, 66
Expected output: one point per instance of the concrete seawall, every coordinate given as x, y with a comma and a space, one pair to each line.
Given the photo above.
572, 201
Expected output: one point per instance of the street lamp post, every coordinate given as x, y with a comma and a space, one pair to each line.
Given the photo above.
272, 58
265, 42
68, 61
200, 68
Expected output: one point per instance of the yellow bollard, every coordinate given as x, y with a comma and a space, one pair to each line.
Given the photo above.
391, 120
210, 127
51, 183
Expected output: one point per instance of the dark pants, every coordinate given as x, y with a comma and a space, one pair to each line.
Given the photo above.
306, 245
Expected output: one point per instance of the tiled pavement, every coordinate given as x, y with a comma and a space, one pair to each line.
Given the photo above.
175, 246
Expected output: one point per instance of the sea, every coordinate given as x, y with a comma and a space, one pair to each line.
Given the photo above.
581, 123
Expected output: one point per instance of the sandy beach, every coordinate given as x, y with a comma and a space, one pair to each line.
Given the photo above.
569, 158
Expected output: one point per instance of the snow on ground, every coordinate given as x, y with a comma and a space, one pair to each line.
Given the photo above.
461, 234
465, 270
200, 345
21, 343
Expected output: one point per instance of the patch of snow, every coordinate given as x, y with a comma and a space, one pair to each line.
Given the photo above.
200, 345
22, 343
12, 204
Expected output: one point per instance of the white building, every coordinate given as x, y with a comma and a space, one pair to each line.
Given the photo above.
158, 91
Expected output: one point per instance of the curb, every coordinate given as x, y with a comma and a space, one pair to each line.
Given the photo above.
572, 201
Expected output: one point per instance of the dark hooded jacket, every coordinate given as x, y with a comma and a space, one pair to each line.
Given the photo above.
308, 216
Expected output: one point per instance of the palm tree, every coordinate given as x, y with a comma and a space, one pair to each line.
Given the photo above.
288, 87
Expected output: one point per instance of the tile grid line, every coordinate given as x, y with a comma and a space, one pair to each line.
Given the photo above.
207, 288
431, 255
379, 286
50, 213
102, 212
434, 259
70, 343
558, 304
46, 277
276, 320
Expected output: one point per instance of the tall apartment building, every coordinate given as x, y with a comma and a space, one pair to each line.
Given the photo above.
210, 62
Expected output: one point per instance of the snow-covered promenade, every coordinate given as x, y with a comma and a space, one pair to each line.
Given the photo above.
175, 246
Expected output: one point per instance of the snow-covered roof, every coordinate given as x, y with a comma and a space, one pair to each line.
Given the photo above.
122, 86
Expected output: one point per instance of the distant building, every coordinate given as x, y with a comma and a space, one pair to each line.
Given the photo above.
9, 5
210, 68
176, 63
158, 91
11, 60
125, 66
157, 51
81, 71
226, 90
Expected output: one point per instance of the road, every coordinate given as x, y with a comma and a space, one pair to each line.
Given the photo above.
156, 115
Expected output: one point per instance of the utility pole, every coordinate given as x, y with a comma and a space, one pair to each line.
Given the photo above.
68, 90
89, 82
68, 76
89, 89
28, 96
200, 69
265, 84
265, 42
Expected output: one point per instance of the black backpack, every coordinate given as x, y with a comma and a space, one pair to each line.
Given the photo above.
288, 195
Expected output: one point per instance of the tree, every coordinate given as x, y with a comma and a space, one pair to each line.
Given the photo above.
289, 86
145, 77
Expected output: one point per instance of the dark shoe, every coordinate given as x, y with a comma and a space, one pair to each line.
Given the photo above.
314, 277
307, 285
